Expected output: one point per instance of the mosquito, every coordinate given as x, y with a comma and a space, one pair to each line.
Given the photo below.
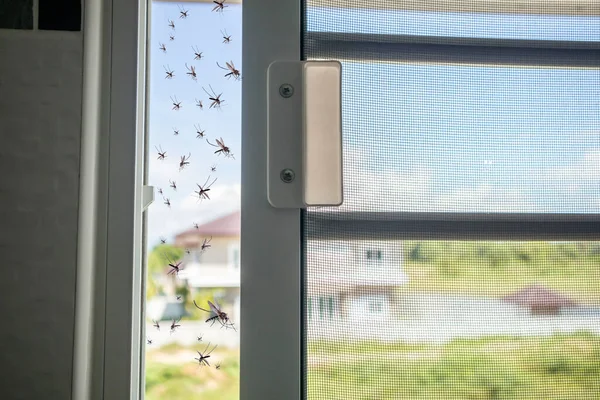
196, 226
149, 341
160, 191
199, 131
162, 47
161, 153
192, 72
220, 315
171, 38
216, 99
226, 37
175, 325
218, 366
197, 53
175, 131
167, 202
213, 168
178, 297
163, 240
156, 324
172, 24
169, 71
220, 5
173, 184
233, 71
175, 266
202, 359
206, 243
199, 104
204, 189
222, 148
187, 251
176, 104
184, 161
183, 13
199, 338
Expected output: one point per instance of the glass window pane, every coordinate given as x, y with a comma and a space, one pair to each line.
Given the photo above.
193, 229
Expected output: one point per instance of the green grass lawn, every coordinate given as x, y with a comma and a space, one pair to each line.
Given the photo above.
560, 367
172, 373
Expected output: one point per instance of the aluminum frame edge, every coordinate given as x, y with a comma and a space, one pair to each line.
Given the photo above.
270, 365
87, 354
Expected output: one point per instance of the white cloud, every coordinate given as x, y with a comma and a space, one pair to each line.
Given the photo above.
390, 188
482, 198
587, 170
187, 210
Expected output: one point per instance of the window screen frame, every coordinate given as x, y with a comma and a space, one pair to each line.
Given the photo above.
276, 348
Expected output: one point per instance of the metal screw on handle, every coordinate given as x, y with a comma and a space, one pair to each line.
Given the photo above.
287, 175
286, 90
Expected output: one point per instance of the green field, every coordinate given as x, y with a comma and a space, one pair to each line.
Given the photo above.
565, 367
561, 367
172, 373
497, 269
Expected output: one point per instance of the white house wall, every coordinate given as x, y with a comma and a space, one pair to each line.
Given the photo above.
210, 275
218, 253
338, 266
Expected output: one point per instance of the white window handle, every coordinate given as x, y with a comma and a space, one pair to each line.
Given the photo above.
304, 134
147, 196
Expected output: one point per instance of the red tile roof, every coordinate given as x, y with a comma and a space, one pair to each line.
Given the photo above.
228, 225
538, 296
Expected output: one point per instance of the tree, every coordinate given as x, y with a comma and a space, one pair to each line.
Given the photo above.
160, 256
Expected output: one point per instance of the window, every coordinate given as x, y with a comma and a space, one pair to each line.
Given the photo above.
375, 306
472, 144
194, 55
321, 307
474, 96
235, 256
374, 254
328, 307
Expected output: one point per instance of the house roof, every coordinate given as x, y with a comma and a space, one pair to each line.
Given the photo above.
539, 296
228, 225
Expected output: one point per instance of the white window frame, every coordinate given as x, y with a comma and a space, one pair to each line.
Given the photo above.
109, 312
110, 283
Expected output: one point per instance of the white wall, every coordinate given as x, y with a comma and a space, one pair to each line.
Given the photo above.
40, 118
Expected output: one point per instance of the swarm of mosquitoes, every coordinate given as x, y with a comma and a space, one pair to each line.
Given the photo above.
214, 101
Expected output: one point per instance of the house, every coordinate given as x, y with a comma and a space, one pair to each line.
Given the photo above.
540, 300
348, 280
215, 267
353, 280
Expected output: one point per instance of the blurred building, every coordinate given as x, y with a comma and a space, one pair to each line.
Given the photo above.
215, 267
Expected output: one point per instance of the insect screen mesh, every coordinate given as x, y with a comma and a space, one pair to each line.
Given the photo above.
439, 125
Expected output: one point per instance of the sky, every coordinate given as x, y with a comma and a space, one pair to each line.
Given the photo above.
416, 137
202, 30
